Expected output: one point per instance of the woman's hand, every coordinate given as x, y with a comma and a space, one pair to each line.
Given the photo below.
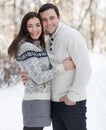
23, 76
69, 64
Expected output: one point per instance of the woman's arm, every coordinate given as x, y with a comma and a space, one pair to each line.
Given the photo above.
30, 62
32, 67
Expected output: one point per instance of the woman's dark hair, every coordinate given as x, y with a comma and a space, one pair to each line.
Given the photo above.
24, 34
49, 6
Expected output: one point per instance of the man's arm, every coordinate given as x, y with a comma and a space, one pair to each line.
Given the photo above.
79, 53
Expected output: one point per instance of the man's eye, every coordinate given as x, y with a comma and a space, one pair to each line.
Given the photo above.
52, 18
43, 20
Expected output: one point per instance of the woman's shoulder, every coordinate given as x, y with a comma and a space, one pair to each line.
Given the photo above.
27, 46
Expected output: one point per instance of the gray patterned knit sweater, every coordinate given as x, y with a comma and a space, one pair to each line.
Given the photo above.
34, 61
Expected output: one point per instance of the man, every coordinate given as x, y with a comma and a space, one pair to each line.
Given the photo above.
69, 89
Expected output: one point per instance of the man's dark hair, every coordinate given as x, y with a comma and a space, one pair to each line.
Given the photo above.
49, 6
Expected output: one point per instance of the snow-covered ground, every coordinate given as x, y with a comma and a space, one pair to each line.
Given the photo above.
10, 100
97, 94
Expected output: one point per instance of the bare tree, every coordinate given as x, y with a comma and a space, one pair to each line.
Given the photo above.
92, 24
84, 15
14, 17
2, 2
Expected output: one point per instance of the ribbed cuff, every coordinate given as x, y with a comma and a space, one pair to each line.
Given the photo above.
60, 68
73, 96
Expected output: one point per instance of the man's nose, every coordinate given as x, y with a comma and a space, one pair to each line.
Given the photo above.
49, 22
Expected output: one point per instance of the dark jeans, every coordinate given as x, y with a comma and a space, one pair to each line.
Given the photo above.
32, 128
66, 117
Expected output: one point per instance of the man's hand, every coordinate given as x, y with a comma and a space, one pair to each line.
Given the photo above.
23, 76
67, 101
69, 64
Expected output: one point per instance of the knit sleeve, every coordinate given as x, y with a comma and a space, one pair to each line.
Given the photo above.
79, 53
31, 65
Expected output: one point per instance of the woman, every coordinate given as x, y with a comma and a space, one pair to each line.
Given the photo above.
28, 48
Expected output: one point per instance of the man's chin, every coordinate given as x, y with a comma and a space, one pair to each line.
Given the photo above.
47, 32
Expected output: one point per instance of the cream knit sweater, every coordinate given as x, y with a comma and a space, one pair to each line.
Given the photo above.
68, 42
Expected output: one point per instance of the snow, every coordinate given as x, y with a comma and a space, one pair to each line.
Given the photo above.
96, 94
11, 98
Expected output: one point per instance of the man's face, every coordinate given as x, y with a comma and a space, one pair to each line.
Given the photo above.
50, 20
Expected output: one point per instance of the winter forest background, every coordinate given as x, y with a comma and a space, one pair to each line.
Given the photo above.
87, 16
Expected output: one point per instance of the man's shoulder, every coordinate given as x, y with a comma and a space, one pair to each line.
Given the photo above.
68, 28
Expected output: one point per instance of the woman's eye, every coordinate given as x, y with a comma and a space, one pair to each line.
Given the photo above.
29, 26
38, 25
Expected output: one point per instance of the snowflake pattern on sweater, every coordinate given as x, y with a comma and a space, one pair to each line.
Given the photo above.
34, 61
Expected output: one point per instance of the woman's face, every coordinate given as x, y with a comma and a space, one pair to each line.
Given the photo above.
34, 28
